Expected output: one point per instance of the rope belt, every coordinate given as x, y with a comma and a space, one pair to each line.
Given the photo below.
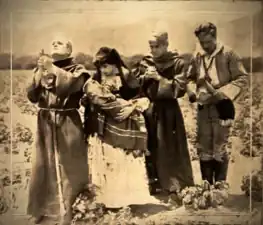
58, 110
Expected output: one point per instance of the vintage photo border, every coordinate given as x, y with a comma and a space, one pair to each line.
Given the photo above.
85, 10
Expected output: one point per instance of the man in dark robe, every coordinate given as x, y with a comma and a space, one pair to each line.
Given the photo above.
163, 81
57, 179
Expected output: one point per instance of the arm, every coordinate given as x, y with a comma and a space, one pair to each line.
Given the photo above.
129, 79
130, 85
69, 82
34, 88
239, 77
176, 87
191, 76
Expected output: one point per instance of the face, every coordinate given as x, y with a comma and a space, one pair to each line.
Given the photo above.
60, 48
108, 69
158, 50
207, 42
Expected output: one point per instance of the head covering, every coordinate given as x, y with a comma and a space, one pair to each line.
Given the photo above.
109, 56
226, 109
206, 28
159, 37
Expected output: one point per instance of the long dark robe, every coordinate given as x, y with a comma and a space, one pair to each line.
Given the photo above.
61, 129
166, 131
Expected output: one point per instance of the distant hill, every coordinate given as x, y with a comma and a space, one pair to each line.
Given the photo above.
28, 62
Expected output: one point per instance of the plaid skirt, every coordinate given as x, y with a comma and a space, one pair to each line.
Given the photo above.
125, 135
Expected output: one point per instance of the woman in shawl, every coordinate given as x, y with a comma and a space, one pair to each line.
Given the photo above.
163, 81
115, 127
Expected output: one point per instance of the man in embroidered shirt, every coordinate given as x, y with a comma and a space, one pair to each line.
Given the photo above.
219, 75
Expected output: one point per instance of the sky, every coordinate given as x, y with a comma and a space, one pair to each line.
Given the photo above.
125, 26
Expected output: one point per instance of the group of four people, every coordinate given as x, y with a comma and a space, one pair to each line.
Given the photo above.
120, 105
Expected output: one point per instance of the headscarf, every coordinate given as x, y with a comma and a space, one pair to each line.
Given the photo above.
109, 56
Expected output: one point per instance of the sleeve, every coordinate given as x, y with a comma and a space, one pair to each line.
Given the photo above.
239, 77
191, 71
140, 71
191, 78
129, 79
131, 86
68, 82
176, 87
34, 88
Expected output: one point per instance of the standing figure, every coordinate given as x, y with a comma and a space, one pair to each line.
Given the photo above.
219, 76
59, 170
163, 81
117, 136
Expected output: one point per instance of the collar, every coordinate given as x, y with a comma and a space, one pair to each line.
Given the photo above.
163, 62
64, 63
201, 52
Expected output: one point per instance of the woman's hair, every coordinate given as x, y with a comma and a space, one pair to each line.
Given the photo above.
107, 55
207, 28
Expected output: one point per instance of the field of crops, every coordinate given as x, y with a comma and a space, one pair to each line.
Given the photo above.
20, 115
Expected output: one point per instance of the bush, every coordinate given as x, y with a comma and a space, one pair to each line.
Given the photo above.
256, 185
5, 61
257, 64
85, 60
242, 126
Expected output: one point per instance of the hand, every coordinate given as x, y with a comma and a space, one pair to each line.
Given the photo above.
45, 62
192, 97
226, 123
152, 74
125, 113
37, 76
210, 87
201, 81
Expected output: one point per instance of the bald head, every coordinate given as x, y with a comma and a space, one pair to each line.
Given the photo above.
61, 48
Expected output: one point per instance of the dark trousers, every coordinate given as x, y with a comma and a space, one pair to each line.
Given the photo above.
213, 170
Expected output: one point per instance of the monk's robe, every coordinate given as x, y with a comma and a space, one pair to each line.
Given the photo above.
59, 128
166, 131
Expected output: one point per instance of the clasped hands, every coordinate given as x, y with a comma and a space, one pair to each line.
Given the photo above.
45, 66
152, 74
139, 105
45, 62
125, 112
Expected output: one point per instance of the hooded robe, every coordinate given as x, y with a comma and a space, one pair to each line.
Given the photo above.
166, 131
59, 127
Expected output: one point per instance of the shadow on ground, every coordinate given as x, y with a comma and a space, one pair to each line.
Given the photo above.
238, 203
147, 209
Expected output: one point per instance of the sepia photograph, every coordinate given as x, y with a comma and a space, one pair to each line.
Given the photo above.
131, 112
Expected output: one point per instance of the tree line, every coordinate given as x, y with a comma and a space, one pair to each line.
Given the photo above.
28, 62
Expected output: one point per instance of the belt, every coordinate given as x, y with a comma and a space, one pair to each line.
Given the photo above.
58, 110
